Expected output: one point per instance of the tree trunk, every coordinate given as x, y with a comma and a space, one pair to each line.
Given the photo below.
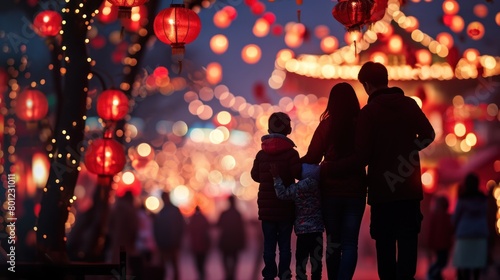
68, 136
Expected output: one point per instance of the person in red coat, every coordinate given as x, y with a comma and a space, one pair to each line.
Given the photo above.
277, 215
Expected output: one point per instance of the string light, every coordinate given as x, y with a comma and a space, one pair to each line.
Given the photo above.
316, 67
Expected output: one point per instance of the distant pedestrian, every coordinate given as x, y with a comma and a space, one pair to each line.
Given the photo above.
470, 221
232, 238
440, 237
123, 227
199, 240
169, 227
145, 243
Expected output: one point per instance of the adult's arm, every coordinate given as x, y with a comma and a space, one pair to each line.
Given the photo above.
365, 133
296, 165
317, 147
425, 131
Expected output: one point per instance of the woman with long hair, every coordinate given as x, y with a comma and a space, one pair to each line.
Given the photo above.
343, 195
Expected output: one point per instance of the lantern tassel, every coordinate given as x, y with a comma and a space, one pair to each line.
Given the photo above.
298, 15
180, 66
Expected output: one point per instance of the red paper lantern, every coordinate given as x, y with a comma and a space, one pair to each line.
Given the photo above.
177, 26
353, 14
47, 23
125, 6
31, 105
112, 105
105, 157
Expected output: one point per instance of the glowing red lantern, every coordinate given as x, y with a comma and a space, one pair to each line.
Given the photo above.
177, 26
125, 6
47, 23
31, 105
112, 105
105, 157
353, 14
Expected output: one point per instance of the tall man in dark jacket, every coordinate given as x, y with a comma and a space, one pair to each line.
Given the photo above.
391, 130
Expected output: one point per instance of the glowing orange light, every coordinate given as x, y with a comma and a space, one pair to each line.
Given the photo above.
379, 57
423, 56
219, 44
321, 31
395, 44
221, 19
471, 55
261, 28
445, 39
457, 24
412, 23
214, 73
350, 37
450, 7
251, 54
480, 10
40, 169
293, 40
230, 11
329, 44
428, 181
285, 54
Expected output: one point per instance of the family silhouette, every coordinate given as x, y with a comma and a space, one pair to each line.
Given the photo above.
368, 155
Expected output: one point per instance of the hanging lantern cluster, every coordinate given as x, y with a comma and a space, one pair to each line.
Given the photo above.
31, 105
47, 23
177, 26
106, 157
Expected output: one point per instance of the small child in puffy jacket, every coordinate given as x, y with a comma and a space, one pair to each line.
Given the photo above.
308, 219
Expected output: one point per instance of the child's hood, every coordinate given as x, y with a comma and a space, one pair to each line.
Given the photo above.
275, 143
